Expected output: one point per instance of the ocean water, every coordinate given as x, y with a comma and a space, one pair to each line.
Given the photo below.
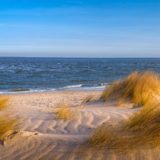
49, 74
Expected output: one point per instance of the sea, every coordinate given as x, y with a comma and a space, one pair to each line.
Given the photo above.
57, 74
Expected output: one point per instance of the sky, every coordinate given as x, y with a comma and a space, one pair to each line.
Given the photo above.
80, 28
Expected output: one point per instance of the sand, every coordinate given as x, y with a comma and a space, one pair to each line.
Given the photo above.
41, 136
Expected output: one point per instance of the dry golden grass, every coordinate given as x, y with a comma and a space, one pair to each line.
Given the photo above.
7, 127
3, 102
91, 99
64, 112
87, 99
146, 122
137, 88
143, 128
120, 139
103, 136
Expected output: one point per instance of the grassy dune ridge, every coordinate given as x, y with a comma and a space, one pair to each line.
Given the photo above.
143, 128
138, 88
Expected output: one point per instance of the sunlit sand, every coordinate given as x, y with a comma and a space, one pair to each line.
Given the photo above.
81, 124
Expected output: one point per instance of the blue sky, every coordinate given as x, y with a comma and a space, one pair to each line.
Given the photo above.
84, 28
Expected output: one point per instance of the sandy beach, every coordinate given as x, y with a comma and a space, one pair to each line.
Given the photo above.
42, 136
79, 80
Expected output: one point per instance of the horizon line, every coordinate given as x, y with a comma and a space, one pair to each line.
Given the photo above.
78, 57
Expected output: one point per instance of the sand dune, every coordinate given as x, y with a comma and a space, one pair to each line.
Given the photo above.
41, 136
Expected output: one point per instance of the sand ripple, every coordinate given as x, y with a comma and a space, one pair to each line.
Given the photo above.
44, 137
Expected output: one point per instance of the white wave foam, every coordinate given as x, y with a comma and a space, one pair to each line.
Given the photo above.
78, 87
81, 87
72, 86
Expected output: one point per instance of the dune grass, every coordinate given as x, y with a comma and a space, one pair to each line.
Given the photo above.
91, 99
143, 128
103, 136
7, 127
64, 112
140, 131
138, 88
87, 99
3, 102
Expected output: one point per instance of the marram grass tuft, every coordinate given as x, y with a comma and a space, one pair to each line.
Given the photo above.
3, 102
64, 112
138, 88
7, 127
